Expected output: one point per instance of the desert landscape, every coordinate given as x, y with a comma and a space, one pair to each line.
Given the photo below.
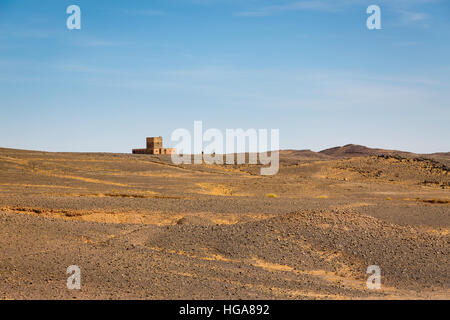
140, 227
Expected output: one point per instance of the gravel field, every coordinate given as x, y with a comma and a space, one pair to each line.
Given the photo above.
141, 228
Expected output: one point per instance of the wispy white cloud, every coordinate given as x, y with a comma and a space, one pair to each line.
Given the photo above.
15, 32
316, 91
409, 44
295, 6
405, 9
88, 43
74, 67
408, 17
144, 12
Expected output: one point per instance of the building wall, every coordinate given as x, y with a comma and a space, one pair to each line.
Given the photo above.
142, 151
169, 151
154, 146
154, 143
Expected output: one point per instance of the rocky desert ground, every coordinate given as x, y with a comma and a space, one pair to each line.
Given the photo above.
140, 227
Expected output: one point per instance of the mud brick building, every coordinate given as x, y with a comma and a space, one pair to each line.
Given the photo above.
154, 146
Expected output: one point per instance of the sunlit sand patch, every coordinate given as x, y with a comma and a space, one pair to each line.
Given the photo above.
355, 205
390, 193
215, 189
178, 252
271, 290
436, 231
97, 215
86, 240
329, 171
218, 257
272, 195
234, 218
433, 200
228, 218
135, 217
333, 257
90, 180
270, 266
132, 194
39, 186
150, 173
120, 194
265, 288
328, 276
274, 267
183, 274
227, 168
129, 218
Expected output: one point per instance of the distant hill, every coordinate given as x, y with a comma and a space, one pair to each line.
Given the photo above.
441, 154
304, 155
353, 150
347, 151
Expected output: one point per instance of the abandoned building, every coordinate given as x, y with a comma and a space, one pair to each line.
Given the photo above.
154, 146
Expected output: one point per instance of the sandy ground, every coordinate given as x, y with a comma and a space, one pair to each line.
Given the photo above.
141, 228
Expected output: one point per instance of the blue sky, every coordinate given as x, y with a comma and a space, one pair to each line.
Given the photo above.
142, 68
